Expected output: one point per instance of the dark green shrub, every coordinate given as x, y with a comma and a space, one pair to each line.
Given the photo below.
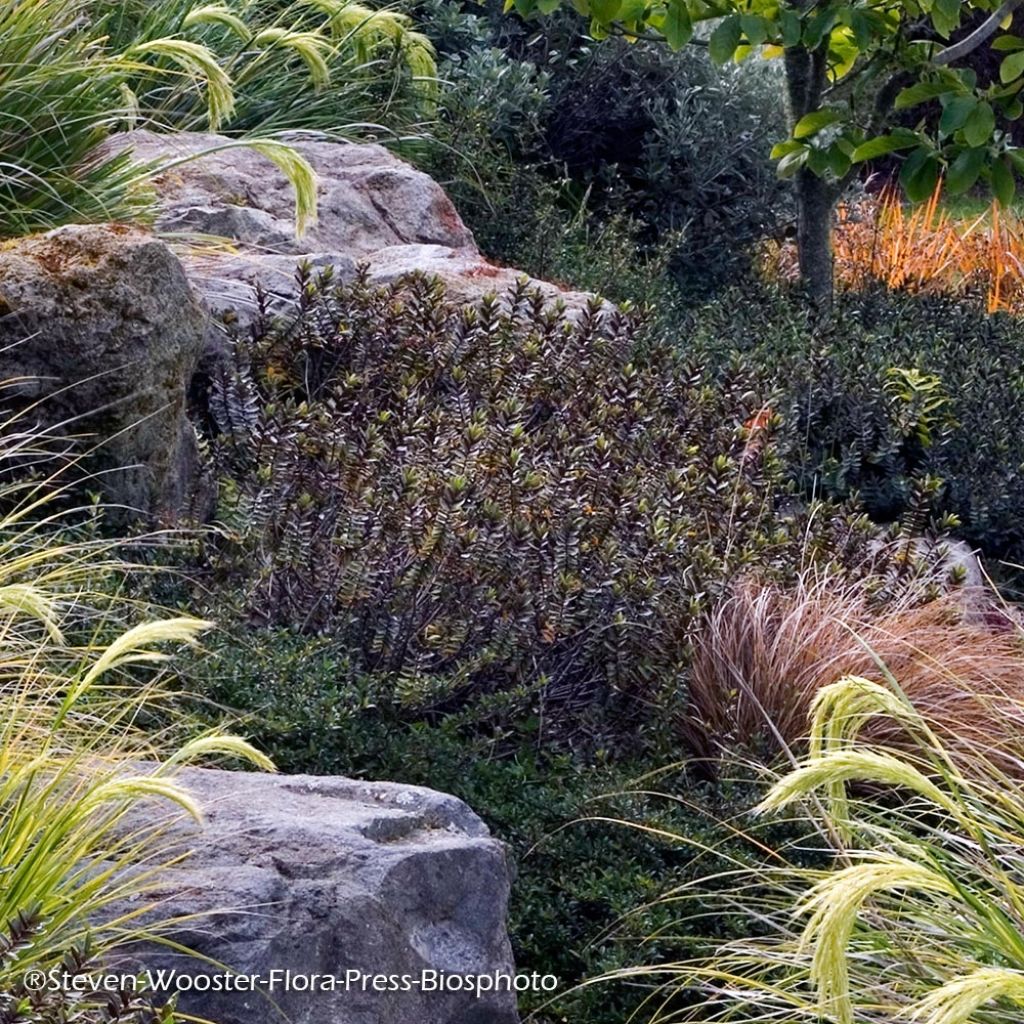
501, 499
68, 998
891, 389
537, 132
678, 144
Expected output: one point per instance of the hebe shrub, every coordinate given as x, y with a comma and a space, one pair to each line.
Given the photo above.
81, 997
500, 498
891, 390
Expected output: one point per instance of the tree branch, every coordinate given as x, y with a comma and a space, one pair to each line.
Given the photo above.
970, 43
616, 28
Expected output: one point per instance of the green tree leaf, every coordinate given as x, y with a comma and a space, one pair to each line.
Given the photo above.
678, 28
863, 30
965, 170
605, 11
814, 122
980, 125
955, 113
920, 174
883, 144
632, 11
946, 16
1004, 185
920, 92
754, 28
1012, 67
838, 161
781, 149
790, 26
724, 40
819, 27
792, 162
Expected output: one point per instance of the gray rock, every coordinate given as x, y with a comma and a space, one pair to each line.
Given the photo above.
103, 327
466, 274
368, 198
329, 875
373, 209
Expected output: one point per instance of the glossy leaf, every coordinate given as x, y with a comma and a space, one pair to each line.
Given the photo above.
678, 27
920, 175
880, 146
955, 113
1012, 67
1004, 184
809, 124
920, 92
965, 171
980, 125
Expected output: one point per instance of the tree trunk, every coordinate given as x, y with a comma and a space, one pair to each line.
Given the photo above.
815, 203
806, 77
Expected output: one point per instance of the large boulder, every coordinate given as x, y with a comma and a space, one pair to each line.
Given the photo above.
325, 876
374, 209
101, 334
368, 198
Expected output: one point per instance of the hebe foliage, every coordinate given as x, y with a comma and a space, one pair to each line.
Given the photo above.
894, 389
503, 497
63, 1003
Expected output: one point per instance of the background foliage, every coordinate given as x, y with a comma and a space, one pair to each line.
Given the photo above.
894, 389
557, 150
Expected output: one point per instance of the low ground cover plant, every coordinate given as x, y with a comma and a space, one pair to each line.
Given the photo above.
474, 549
586, 892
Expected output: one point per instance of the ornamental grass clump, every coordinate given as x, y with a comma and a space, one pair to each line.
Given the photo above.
766, 651
929, 249
80, 748
72, 72
262, 67
917, 910
501, 497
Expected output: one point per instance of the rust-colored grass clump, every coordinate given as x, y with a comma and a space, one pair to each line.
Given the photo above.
927, 249
766, 651
924, 249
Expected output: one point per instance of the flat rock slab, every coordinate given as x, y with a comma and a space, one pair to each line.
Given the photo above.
323, 876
